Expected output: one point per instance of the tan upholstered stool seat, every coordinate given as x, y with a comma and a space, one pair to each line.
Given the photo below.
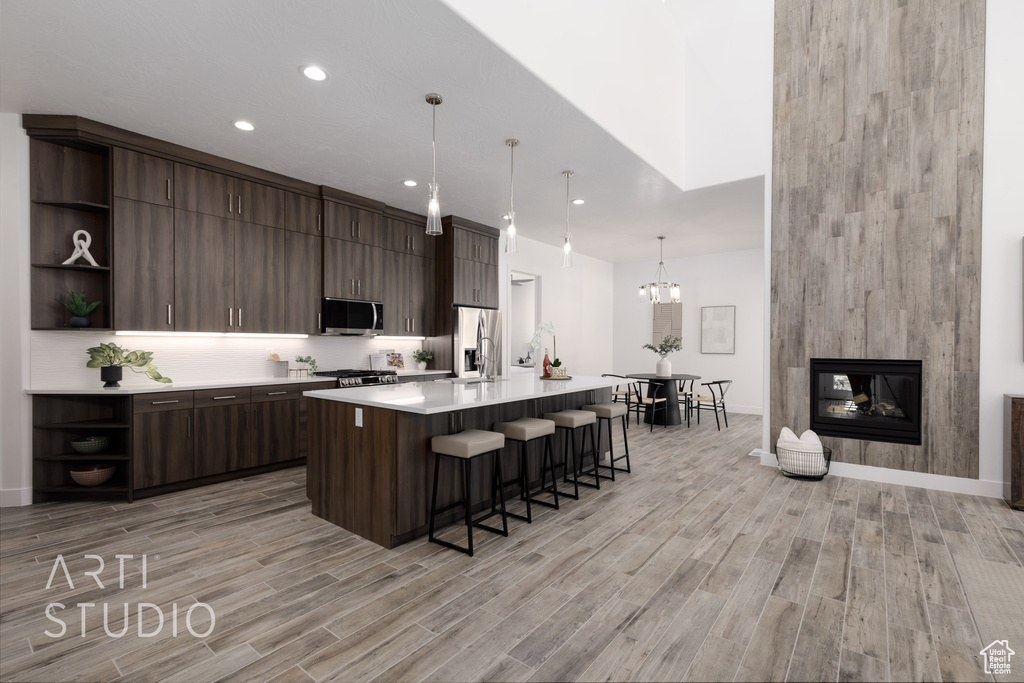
608, 410
467, 444
525, 428
572, 418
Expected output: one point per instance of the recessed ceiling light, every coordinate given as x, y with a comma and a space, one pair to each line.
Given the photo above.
577, 201
409, 183
315, 73
244, 125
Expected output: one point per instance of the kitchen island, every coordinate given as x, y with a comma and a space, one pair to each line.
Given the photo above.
369, 463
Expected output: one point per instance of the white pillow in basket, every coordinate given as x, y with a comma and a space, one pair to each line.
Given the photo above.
801, 455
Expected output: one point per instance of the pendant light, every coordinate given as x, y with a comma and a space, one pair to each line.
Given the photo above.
510, 243
567, 238
433, 207
652, 290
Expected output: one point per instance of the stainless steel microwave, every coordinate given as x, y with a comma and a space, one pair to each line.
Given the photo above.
350, 317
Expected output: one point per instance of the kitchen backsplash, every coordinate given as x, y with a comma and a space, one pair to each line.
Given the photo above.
58, 358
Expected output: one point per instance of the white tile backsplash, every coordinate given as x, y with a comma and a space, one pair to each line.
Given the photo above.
58, 358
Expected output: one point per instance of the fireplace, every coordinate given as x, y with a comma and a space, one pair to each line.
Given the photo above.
872, 400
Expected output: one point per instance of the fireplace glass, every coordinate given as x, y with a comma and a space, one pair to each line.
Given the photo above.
872, 400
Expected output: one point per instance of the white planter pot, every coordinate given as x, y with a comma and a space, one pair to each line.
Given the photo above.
421, 366
664, 368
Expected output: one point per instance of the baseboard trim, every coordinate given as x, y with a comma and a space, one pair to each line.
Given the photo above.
939, 482
746, 410
13, 498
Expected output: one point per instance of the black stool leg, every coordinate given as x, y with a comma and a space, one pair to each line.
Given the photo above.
611, 447
524, 493
501, 491
571, 433
625, 444
433, 496
549, 458
469, 514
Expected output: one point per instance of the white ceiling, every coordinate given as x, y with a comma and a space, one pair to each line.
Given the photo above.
183, 71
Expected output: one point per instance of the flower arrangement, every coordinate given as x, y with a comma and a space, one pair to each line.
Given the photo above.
538, 336
667, 345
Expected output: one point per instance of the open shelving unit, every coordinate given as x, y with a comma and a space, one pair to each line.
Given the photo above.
70, 191
56, 421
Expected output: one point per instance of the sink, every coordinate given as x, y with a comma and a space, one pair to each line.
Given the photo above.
476, 380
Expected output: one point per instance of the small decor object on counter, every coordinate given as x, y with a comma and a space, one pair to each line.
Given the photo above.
92, 475
396, 361
81, 241
546, 366
802, 457
110, 358
89, 445
668, 345
79, 309
422, 357
306, 362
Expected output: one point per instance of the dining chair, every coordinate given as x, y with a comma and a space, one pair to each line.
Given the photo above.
639, 401
686, 397
619, 395
715, 400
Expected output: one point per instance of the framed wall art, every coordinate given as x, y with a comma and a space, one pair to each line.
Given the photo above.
718, 329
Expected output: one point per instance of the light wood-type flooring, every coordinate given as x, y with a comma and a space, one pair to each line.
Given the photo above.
701, 565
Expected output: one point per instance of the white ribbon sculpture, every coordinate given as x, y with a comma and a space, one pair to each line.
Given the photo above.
81, 248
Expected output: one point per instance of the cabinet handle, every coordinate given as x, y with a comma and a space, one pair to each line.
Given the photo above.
359, 287
161, 403
168, 188
221, 398
318, 321
239, 318
188, 425
168, 314
239, 205
318, 222
231, 317
230, 210
276, 393
414, 324
352, 229
247, 417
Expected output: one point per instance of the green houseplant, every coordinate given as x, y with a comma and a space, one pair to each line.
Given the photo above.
111, 358
309, 361
667, 345
422, 357
79, 308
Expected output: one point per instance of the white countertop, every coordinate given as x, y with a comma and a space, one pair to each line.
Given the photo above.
96, 389
427, 398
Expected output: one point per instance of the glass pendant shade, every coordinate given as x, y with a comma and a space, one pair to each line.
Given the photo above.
567, 251
433, 212
652, 290
511, 246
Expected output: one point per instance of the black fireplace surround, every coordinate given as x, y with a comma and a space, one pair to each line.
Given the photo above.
871, 400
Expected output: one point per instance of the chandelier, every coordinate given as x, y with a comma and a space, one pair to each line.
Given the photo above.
652, 290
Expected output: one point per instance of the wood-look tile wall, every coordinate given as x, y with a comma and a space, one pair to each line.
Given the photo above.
876, 210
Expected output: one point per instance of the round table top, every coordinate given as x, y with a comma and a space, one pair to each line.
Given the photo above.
651, 375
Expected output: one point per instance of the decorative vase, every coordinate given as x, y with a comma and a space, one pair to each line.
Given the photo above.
422, 365
664, 368
111, 375
80, 321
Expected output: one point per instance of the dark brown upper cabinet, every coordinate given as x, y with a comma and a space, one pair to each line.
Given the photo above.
302, 213
409, 238
143, 177
204, 277
143, 265
408, 310
352, 224
259, 279
302, 283
473, 246
353, 271
217, 194
475, 284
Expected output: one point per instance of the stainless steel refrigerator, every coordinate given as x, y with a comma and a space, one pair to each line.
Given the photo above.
478, 342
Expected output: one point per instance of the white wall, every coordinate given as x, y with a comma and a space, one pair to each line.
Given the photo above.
578, 300
620, 63
15, 405
1002, 345
726, 279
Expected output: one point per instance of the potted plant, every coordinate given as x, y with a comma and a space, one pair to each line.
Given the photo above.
307, 363
79, 309
111, 358
667, 345
422, 357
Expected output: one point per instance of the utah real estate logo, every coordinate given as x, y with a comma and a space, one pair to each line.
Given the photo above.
997, 657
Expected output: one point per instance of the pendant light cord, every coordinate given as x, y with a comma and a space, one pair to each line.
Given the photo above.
512, 180
433, 143
567, 176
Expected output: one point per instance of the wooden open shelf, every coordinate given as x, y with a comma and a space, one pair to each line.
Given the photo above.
83, 459
87, 424
69, 266
75, 204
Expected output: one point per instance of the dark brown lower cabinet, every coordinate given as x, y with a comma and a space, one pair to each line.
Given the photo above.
274, 436
222, 439
163, 444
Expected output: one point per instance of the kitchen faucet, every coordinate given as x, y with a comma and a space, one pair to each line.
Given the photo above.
492, 375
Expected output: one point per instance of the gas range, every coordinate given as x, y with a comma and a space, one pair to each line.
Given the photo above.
360, 378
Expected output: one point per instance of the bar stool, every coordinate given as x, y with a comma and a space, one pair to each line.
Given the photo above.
525, 430
466, 446
609, 411
570, 421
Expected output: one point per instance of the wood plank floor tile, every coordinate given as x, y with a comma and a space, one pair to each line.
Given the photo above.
769, 653
817, 649
939, 576
743, 608
673, 654
904, 594
912, 655
570, 661
712, 661
865, 630
854, 666
957, 644
868, 545
797, 571
833, 568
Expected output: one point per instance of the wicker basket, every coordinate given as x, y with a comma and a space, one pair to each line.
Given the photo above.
804, 465
92, 475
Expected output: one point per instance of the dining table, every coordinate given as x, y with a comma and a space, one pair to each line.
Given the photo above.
666, 388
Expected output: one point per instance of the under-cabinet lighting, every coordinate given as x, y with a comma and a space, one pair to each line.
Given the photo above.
385, 337
244, 125
162, 333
